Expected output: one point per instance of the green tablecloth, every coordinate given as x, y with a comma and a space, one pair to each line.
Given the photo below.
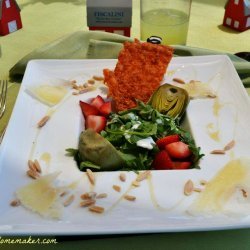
45, 21
216, 240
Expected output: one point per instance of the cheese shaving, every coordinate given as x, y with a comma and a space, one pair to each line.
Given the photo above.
197, 89
48, 94
41, 196
227, 192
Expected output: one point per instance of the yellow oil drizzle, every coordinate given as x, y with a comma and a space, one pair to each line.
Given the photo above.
171, 72
50, 112
231, 155
120, 199
74, 184
154, 200
46, 157
217, 107
152, 196
218, 191
213, 129
213, 133
33, 147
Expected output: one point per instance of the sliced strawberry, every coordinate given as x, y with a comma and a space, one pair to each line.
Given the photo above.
88, 109
106, 108
97, 101
178, 150
96, 122
181, 164
161, 143
162, 161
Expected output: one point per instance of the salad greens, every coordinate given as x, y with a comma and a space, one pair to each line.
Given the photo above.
127, 129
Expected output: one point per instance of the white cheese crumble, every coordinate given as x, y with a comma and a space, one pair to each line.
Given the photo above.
146, 143
136, 125
159, 121
127, 136
132, 116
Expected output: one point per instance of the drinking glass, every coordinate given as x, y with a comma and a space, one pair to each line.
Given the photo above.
165, 20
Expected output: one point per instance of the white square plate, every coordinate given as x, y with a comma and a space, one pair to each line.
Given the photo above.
160, 205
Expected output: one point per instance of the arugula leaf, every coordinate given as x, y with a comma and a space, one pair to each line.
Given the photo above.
88, 164
71, 152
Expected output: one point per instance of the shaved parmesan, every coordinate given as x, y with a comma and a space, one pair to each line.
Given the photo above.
48, 94
41, 196
197, 89
227, 192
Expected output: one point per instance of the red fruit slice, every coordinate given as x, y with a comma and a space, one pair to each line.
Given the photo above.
88, 109
96, 122
162, 161
106, 108
161, 143
181, 164
97, 102
178, 150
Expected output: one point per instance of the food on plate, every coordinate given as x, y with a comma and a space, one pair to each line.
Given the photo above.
43, 121
226, 148
96, 122
138, 73
197, 89
174, 154
140, 138
96, 150
48, 94
188, 187
41, 196
178, 150
170, 100
227, 192
137, 137
96, 113
88, 109
162, 142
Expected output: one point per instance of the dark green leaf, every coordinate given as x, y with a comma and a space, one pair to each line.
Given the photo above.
71, 152
88, 164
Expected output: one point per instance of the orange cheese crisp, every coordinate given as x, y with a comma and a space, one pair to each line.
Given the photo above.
138, 73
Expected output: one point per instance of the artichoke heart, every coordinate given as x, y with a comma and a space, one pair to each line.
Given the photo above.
95, 148
170, 100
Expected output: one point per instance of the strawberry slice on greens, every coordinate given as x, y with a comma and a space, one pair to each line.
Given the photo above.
162, 161
106, 109
97, 102
95, 122
162, 142
88, 109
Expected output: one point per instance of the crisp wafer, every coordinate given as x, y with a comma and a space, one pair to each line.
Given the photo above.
138, 73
